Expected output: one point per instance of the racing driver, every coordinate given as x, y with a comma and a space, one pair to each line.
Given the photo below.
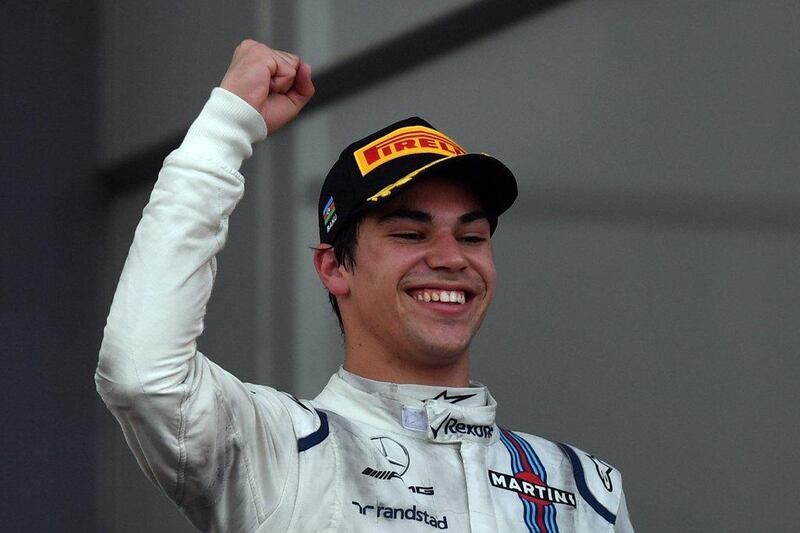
400, 439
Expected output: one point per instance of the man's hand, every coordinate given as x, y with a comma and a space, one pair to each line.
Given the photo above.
276, 83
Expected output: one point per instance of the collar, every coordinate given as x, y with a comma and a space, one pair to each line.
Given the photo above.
438, 414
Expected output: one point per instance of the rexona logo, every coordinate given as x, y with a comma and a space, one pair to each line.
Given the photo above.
451, 426
530, 487
401, 513
401, 142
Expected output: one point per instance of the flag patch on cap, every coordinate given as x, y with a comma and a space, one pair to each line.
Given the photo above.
329, 214
404, 141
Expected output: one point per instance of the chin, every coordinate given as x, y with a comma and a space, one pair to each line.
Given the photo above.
442, 353
439, 344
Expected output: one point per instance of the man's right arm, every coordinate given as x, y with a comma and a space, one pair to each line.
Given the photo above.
178, 410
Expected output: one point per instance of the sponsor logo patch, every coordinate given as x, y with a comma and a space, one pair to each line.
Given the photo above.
398, 459
603, 471
531, 488
395, 454
455, 398
451, 426
401, 142
530, 483
382, 512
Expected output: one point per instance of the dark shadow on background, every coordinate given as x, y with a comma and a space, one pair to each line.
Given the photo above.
357, 74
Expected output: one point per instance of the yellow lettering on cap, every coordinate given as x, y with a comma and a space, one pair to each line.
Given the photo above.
401, 142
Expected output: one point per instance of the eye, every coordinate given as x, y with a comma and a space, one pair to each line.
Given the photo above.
408, 236
473, 239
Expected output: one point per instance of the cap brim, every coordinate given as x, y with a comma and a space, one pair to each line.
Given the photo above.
491, 180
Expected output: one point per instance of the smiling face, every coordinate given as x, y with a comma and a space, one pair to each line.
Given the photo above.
422, 282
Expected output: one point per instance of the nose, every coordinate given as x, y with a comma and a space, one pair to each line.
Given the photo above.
445, 252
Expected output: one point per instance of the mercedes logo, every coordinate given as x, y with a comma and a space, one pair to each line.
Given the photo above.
394, 452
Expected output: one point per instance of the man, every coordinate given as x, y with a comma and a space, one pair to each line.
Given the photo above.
399, 439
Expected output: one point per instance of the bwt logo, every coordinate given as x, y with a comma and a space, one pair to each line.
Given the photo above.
452, 426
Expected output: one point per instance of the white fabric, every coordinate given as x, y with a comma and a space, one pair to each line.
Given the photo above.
362, 456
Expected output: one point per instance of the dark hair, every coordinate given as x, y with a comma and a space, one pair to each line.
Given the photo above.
344, 249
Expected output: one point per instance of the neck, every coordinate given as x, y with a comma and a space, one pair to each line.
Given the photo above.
401, 368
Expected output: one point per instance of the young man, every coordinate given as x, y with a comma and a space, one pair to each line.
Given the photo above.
399, 439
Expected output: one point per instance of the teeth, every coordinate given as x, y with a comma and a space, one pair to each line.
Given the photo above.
455, 297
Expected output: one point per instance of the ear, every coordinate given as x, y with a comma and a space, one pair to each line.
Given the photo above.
329, 271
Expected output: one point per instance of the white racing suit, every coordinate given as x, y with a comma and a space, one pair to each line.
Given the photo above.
363, 456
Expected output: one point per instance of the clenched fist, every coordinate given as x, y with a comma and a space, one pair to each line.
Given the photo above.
276, 83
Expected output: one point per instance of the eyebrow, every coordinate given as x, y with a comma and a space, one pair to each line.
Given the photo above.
422, 216
411, 214
473, 216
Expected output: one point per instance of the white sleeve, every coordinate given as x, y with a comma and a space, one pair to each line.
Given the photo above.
623, 523
204, 437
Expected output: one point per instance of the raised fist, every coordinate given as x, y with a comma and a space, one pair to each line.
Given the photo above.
276, 83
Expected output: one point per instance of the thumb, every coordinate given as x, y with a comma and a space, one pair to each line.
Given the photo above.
303, 88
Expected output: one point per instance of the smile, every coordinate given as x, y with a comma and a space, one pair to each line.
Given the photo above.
438, 295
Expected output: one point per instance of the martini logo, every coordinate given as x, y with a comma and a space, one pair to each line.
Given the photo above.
329, 214
404, 141
531, 488
529, 482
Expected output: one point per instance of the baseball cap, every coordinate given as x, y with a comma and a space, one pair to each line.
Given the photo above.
381, 165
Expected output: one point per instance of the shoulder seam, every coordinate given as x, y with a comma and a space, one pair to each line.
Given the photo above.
311, 440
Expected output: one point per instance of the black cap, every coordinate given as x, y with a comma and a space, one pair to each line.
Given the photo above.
371, 170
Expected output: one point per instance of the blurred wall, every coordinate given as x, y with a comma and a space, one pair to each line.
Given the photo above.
647, 308
158, 64
52, 240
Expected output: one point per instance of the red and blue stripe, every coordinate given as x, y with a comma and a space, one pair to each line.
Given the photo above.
540, 517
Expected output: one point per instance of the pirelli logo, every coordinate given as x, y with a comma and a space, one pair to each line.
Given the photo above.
401, 142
